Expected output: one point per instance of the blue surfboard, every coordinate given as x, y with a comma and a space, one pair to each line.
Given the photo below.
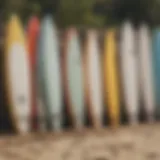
156, 68
49, 65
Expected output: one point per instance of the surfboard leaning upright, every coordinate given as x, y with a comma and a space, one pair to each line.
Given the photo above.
93, 79
32, 39
111, 76
146, 76
73, 77
156, 70
49, 65
17, 74
128, 60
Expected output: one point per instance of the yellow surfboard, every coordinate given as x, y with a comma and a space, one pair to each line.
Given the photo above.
111, 77
17, 76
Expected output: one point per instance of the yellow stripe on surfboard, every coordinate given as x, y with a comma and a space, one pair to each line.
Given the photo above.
111, 77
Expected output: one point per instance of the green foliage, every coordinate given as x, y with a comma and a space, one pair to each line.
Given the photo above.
136, 10
155, 12
15, 6
78, 13
81, 13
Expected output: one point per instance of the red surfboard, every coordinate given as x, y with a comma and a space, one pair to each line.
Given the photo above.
32, 37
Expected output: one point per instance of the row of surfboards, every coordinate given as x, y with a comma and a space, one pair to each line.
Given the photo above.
44, 73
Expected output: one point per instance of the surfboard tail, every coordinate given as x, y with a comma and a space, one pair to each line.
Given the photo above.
41, 116
150, 116
151, 119
56, 122
114, 118
97, 120
79, 122
133, 119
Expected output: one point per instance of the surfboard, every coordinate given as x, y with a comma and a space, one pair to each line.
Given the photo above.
129, 71
146, 76
41, 100
32, 38
73, 77
49, 65
17, 75
111, 76
156, 66
93, 79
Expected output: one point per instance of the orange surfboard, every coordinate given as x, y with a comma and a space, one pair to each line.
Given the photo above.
32, 37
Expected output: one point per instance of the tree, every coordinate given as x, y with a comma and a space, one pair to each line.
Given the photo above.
78, 13
14, 6
92, 13
136, 10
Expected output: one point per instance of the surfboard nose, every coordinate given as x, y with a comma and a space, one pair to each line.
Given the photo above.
14, 23
47, 19
92, 33
14, 18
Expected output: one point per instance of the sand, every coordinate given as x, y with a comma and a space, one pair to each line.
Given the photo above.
124, 143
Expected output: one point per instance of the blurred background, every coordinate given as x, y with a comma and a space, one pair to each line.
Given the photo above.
90, 13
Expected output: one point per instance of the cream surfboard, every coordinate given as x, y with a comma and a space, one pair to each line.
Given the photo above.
73, 77
17, 75
129, 71
92, 67
49, 63
146, 76
111, 76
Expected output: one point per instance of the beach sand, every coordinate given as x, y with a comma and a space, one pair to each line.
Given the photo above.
141, 142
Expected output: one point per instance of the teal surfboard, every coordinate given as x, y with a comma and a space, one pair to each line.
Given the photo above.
49, 73
73, 78
156, 68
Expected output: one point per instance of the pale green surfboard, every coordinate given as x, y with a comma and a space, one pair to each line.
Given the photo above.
49, 65
74, 90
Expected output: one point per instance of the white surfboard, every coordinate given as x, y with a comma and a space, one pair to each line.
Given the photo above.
49, 63
146, 76
128, 58
94, 79
17, 76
